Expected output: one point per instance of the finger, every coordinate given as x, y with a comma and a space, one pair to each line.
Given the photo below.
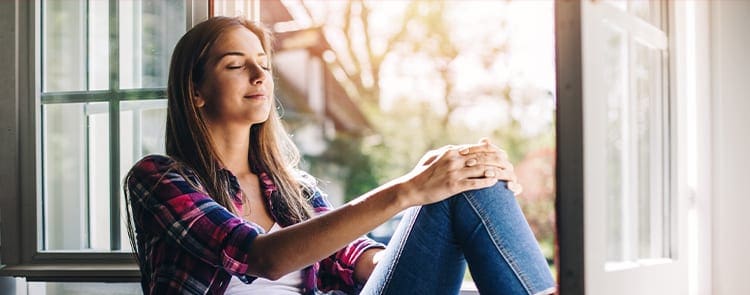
454, 161
474, 148
491, 172
485, 147
515, 187
488, 159
479, 171
505, 175
476, 183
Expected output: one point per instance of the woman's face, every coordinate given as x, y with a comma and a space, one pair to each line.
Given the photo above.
237, 87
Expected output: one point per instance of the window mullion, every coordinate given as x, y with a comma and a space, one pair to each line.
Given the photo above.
86, 216
87, 243
86, 48
114, 124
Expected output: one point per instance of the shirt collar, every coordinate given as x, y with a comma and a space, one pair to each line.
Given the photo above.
267, 186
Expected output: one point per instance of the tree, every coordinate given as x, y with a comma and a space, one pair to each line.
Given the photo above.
360, 62
426, 33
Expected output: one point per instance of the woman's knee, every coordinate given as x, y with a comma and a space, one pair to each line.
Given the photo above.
499, 189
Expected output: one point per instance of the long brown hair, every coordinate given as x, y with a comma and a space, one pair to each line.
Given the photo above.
189, 143
188, 140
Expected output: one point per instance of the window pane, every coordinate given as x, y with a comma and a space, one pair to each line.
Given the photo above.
76, 176
648, 96
232, 8
647, 10
636, 167
616, 79
63, 45
99, 44
149, 29
142, 125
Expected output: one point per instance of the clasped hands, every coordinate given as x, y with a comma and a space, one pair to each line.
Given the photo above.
452, 169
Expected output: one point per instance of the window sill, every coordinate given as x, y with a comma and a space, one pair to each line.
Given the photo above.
468, 288
112, 272
125, 272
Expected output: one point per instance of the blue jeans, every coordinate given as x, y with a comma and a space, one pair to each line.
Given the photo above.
486, 228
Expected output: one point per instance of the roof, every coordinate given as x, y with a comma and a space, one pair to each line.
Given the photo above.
292, 89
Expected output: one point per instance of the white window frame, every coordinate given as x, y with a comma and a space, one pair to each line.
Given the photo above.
691, 98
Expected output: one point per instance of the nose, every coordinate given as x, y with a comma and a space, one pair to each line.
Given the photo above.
258, 76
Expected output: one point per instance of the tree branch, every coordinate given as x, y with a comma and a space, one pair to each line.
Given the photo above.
356, 63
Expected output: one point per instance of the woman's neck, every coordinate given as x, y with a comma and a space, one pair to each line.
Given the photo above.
233, 147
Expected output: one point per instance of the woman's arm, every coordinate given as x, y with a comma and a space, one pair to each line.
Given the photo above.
366, 264
439, 175
276, 254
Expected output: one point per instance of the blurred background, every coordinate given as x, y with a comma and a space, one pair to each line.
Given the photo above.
367, 87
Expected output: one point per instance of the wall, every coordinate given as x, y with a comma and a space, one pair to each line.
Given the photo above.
730, 61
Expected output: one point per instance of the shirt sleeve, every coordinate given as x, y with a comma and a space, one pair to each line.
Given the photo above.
337, 271
169, 206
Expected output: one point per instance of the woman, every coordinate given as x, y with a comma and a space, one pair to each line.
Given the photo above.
227, 211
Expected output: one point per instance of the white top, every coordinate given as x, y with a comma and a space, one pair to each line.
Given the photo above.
286, 285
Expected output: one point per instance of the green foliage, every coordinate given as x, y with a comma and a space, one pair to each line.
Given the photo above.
355, 167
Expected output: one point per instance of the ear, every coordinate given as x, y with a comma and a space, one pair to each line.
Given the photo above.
198, 100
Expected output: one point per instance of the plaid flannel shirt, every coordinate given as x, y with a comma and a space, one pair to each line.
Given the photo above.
189, 244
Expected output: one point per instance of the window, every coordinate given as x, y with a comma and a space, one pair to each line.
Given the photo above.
95, 102
620, 166
637, 131
98, 106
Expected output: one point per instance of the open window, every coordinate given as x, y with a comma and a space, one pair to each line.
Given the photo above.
623, 188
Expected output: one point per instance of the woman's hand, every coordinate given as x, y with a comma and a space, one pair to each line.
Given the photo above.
450, 170
497, 157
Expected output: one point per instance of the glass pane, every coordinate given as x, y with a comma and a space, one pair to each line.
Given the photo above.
149, 29
635, 150
99, 171
616, 79
142, 127
76, 176
63, 45
648, 10
232, 8
648, 96
98, 44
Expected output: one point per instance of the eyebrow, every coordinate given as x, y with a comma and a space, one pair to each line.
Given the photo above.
237, 53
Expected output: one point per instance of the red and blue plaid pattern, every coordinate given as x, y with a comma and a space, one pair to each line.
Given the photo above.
190, 244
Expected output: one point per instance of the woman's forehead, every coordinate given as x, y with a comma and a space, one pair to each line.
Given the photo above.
238, 40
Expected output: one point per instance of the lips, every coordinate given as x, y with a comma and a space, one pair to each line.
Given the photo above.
258, 95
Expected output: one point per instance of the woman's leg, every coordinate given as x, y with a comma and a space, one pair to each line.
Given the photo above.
485, 227
503, 255
422, 257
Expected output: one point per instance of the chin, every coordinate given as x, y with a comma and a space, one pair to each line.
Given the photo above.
256, 121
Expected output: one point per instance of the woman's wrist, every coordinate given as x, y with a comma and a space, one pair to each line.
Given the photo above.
404, 193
